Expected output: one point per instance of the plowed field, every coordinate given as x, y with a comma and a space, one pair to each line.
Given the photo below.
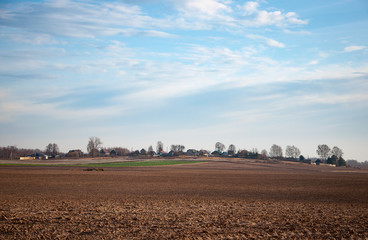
230, 199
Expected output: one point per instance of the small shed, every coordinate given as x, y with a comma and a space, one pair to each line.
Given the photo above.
113, 153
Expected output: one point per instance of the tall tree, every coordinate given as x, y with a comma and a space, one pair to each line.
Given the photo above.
292, 152
275, 151
120, 151
219, 147
177, 148
341, 162
150, 149
93, 146
181, 148
254, 150
52, 149
231, 149
323, 151
9, 152
337, 152
264, 152
159, 147
55, 149
48, 149
332, 160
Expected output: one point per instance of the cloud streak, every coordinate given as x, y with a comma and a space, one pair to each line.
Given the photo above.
268, 41
269, 18
354, 48
81, 20
89, 20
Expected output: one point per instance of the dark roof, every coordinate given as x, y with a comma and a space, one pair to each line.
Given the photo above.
36, 155
77, 150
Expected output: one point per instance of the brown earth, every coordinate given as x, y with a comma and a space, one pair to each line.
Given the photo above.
232, 199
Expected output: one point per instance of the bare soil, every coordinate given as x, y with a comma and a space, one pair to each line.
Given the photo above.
230, 199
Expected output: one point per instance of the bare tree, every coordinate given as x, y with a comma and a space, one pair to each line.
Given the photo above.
120, 151
288, 151
159, 147
219, 147
356, 164
264, 152
9, 152
254, 150
52, 149
177, 148
93, 146
323, 151
231, 149
275, 151
292, 152
296, 152
150, 148
337, 152
55, 149
150, 151
174, 148
48, 149
181, 148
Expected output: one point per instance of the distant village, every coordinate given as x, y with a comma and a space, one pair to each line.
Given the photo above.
327, 156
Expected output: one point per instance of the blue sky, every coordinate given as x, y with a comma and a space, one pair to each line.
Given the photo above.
248, 73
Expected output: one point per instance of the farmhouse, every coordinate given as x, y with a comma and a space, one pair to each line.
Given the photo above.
75, 153
216, 154
104, 152
113, 153
204, 153
192, 152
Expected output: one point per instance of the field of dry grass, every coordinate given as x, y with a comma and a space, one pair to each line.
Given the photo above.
231, 199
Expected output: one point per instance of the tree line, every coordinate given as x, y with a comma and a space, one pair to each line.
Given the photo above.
94, 149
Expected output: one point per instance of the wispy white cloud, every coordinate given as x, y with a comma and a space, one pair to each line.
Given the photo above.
154, 33
89, 20
144, 81
62, 103
239, 69
300, 32
354, 48
32, 38
274, 43
333, 71
335, 99
313, 62
204, 8
82, 19
23, 107
277, 18
250, 8
323, 54
293, 18
269, 18
268, 41
214, 13
203, 15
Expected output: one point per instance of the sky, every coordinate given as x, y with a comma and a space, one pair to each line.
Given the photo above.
189, 72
